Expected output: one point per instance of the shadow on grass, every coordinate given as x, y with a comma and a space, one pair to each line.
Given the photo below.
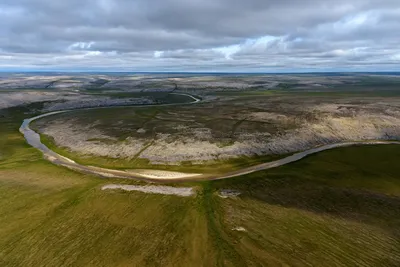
345, 183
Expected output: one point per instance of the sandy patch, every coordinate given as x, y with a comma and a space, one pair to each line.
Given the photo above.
239, 229
162, 174
153, 189
228, 193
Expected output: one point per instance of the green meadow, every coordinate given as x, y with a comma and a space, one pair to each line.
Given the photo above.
335, 208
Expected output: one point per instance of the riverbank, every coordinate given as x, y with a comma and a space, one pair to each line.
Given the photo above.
33, 138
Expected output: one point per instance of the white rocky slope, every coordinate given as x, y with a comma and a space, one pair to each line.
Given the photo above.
335, 123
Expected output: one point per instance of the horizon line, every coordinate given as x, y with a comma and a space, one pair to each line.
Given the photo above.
193, 72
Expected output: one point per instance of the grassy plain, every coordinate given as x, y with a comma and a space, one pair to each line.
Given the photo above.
158, 96
336, 208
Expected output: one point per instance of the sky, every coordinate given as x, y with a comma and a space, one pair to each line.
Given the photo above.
200, 35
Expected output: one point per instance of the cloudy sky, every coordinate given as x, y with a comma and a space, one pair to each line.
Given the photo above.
200, 35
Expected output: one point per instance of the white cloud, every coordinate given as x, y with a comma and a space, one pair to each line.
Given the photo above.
158, 54
81, 46
192, 35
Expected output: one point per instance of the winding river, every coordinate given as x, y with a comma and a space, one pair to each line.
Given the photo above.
33, 139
